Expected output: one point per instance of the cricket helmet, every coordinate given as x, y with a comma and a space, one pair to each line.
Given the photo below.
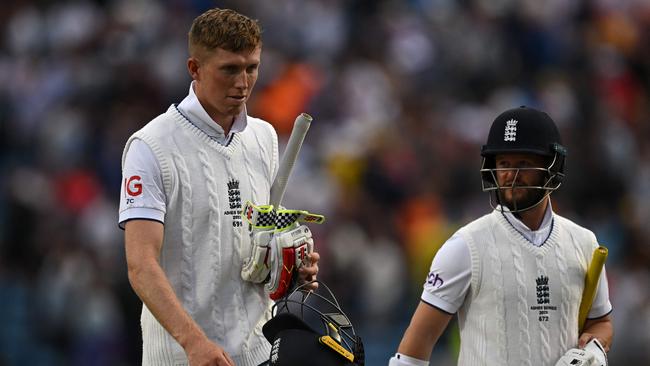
527, 131
309, 328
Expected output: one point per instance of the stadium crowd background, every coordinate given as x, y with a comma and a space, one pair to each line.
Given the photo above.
403, 93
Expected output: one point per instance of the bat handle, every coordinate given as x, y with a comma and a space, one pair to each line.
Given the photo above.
298, 133
591, 284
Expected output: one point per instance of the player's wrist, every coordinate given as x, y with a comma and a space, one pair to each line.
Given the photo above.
191, 338
403, 360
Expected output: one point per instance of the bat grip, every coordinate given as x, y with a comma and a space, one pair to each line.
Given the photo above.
591, 284
298, 133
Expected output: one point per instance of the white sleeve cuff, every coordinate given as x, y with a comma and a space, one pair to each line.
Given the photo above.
600, 311
439, 303
144, 213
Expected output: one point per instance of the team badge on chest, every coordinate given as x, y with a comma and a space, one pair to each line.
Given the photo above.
234, 202
543, 293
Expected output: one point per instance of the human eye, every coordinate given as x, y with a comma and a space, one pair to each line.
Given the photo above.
525, 164
252, 68
230, 69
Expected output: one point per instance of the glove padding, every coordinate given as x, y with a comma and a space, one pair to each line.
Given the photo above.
279, 246
289, 252
592, 355
261, 225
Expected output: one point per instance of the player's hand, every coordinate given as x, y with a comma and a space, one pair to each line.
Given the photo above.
206, 353
309, 271
576, 357
290, 251
585, 339
593, 354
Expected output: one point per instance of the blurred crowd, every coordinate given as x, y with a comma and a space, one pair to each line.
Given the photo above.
402, 94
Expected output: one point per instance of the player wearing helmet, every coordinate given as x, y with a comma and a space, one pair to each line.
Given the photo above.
515, 276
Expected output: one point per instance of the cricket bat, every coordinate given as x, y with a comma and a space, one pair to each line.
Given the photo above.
591, 284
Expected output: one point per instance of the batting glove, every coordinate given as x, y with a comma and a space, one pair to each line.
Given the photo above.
289, 251
260, 226
592, 355
279, 246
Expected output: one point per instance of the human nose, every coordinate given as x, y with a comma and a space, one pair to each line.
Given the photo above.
509, 175
241, 80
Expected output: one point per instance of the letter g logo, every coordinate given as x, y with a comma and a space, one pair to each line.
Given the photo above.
133, 186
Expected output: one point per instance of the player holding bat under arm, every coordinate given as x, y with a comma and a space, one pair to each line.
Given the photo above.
515, 276
187, 175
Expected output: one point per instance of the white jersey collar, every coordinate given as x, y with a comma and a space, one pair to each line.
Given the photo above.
192, 109
537, 237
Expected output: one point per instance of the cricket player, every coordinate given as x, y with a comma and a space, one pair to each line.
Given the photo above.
515, 276
186, 176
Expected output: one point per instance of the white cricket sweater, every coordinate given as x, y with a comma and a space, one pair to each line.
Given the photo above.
205, 184
523, 301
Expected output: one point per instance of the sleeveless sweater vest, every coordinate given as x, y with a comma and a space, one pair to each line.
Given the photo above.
523, 301
206, 185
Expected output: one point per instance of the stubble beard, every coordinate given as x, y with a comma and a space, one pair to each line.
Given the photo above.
518, 198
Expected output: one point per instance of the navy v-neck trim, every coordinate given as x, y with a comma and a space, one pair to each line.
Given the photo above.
227, 150
524, 236
525, 242
213, 138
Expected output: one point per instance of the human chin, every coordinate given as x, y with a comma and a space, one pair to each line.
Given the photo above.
234, 109
512, 197
523, 199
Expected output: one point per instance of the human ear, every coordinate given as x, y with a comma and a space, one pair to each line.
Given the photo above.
193, 67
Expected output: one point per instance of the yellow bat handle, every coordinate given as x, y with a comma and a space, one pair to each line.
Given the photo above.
591, 283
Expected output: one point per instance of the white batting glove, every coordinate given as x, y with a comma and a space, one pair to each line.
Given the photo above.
277, 245
592, 355
600, 356
259, 227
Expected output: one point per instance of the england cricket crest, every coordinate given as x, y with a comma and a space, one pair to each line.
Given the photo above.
543, 294
510, 132
274, 351
234, 202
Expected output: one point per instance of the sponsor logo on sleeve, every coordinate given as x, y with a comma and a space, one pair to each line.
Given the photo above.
132, 188
134, 185
434, 279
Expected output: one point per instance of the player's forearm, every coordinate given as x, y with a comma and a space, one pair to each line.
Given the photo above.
143, 243
416, 344
601, 328
423, 332
151, 285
